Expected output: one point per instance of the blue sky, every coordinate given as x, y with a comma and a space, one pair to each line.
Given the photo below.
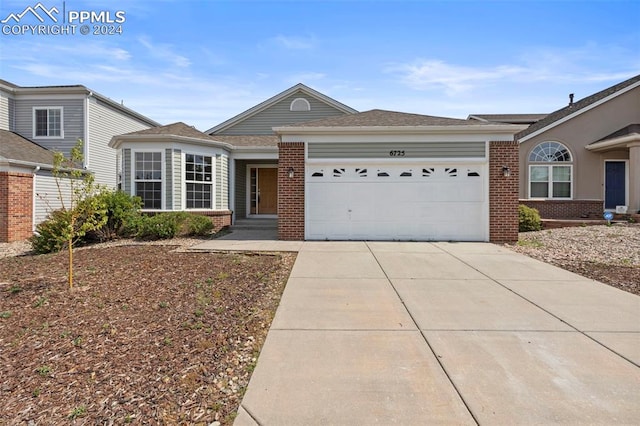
203, 62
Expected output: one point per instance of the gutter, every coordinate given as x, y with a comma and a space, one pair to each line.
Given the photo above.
597, 146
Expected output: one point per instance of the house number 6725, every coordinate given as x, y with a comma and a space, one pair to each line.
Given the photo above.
396, 153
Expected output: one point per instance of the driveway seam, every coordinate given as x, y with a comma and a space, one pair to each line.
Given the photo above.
444, 370
495, 280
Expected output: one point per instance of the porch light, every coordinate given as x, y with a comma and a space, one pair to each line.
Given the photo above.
290, 172
506, 171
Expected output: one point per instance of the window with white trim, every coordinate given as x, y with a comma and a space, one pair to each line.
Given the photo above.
199, 181
148, 179
47, 122
550, 180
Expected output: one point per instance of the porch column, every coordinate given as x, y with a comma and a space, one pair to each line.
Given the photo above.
634, 177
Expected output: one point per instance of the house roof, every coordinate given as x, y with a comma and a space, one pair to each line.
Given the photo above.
78, 88
625, 131
508, 118
382, 118
620, 139
275, 99
248, 140
17, 149
577, 107
177, 129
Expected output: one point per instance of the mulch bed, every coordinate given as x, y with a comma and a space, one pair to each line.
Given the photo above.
147, 336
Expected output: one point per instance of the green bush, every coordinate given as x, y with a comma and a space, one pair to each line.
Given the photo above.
169, 225
198, 225
528, 219
158, 227
49, 236
122, 210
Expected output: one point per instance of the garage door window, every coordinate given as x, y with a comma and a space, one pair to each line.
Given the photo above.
550, 180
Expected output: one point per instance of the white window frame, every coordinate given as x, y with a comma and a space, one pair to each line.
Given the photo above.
212, 182
48, 108
135, 180
307, 105
550, 182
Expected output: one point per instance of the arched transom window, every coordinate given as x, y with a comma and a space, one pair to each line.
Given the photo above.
549, 152
550, 179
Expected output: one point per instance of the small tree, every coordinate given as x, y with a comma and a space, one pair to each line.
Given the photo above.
83, 211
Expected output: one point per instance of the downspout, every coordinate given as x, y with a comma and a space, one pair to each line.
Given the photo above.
85, 146
33, 199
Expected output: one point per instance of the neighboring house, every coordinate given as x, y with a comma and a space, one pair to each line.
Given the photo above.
328, 172
585, 158
52, 118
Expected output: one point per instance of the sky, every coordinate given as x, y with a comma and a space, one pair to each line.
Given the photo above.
203, 62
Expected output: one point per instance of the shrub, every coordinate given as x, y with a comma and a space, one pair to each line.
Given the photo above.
158, 227
50, 234
529, 219
198, 225
122, 210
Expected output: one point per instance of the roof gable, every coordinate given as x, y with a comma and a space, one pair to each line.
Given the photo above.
328, 105
383, 118
576, 108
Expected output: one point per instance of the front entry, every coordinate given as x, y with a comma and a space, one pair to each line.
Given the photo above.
615, 188
264, 191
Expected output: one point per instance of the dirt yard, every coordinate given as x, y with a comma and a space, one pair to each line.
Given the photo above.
148, 336
610, 254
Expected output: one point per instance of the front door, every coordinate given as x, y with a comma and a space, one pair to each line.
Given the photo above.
615, 190
264, 190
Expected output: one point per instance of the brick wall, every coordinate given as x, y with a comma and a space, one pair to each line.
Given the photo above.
291, 191
567, 209
503, 192
220, 218
16, 206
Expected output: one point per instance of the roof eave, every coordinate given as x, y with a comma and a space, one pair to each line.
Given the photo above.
117, 141
469, 128
619, 142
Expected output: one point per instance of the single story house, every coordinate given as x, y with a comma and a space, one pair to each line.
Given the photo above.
329, 172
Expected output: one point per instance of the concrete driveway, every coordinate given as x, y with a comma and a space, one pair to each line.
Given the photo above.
444, 333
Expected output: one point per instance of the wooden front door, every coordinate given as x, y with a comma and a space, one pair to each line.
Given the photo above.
266, 194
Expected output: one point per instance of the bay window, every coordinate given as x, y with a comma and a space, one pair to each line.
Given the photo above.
198, 181
148, 179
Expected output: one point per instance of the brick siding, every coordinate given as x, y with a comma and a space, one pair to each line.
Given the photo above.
220, 218
503, 192
567, 209
291, 191
16, 206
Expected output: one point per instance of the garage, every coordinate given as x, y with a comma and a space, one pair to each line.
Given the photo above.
415, 191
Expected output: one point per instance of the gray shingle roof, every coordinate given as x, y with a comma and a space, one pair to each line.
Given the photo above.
248, 140
625, 131
576, 106
382, 118
176, 129
17, 148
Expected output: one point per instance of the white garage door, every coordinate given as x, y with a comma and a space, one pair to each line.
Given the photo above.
418, 201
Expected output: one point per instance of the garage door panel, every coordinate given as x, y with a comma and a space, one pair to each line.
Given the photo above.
446, 203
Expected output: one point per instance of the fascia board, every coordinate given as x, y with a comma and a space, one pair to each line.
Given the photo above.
509, 129
117, 141
611, 143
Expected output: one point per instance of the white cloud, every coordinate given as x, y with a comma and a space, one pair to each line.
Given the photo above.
164, 52
295, 42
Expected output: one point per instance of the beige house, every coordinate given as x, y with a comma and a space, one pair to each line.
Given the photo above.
585, 158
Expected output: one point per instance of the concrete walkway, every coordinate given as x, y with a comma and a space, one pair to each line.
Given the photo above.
444, 333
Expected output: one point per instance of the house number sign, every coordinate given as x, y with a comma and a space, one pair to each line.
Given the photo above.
396, 153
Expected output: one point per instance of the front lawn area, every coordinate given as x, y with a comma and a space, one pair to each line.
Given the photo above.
148, 336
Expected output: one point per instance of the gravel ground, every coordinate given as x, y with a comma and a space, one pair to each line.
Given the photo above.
610, 254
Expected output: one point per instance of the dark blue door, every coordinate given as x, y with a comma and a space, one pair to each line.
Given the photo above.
614, 180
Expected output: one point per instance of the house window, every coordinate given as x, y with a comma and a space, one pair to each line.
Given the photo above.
550, 180
148, 179
300, 104
47, 122
199, 181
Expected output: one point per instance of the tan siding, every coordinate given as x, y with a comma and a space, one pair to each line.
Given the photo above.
73, 121
104, 123
279, 115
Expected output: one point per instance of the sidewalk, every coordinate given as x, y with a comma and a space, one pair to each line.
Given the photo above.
445, 333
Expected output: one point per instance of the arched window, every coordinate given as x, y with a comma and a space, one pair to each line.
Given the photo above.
300, 104
550, 180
